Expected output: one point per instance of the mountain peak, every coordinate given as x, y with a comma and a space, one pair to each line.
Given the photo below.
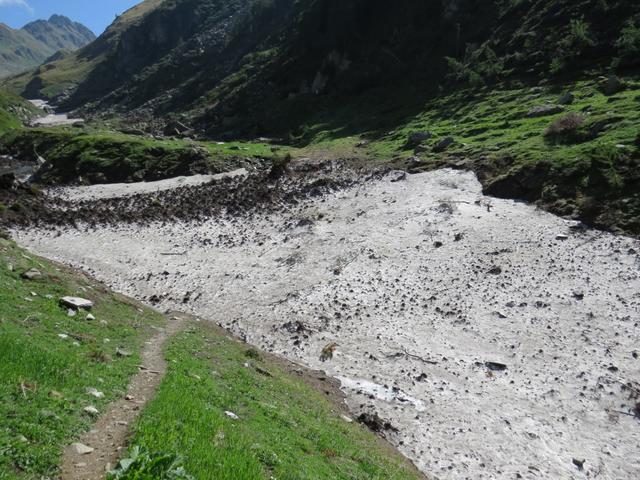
38, 41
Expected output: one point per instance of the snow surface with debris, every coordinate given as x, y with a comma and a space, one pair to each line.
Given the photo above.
425, 286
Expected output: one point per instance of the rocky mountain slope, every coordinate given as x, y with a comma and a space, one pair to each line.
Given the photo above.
235, 65
38, 41
538, 97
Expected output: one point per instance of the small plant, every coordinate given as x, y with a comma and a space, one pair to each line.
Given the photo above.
604, 159
142, 465
629, 42
567, 128
479, 65
558, 64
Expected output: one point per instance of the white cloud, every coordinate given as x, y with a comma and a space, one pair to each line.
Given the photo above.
21, 3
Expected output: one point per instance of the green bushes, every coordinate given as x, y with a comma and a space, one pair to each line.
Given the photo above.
629, 42
479, 65
572, 45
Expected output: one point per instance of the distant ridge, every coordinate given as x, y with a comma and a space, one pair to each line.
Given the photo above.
37, 41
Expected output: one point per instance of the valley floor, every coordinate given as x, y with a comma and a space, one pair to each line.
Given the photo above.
497, 340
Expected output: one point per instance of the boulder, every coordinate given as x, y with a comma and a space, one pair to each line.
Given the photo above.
416, 138
544, 111
566, 99
32, 274
82, 449
443, 144
612, 86
175, 128
76, 303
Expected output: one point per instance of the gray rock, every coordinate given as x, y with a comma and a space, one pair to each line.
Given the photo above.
443, 144
91, 410
32, 274
76, 302
82, 449
566, 99
397, 176
122, 353
612, 86
414, 162
416, 138
544, 111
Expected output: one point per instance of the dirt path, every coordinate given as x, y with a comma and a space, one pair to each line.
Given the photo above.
108, 438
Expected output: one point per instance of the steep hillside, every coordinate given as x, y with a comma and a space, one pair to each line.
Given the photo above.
37, 41
240, 65
546, 90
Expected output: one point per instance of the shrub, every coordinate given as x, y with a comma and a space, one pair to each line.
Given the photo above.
479, 65
568, 125
605, 159
629, 42
579, 36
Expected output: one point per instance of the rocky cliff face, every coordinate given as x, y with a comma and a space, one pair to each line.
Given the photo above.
37, 41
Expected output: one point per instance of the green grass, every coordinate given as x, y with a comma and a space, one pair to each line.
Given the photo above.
13, 110
286, 429
578, 175
98, 155
43, 378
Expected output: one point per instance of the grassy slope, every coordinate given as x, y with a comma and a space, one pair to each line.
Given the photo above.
43, 378
286, 429
593, 177
12, 108
99, 155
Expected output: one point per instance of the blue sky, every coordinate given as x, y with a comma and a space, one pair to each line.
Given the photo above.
95, 14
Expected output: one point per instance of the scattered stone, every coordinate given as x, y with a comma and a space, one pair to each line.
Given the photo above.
578, 295
91, 410
397, 176
90, 317
562, 237
579, 464
94, 393
443, 144
71, 312
32, 274
612, 86
567, 99
82, 449
346, 419
77, 303
544, 111
496, 366
22, 439
495, 271
414, 162
63, 336
232, 415
374, 423
416, 138
123, 353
